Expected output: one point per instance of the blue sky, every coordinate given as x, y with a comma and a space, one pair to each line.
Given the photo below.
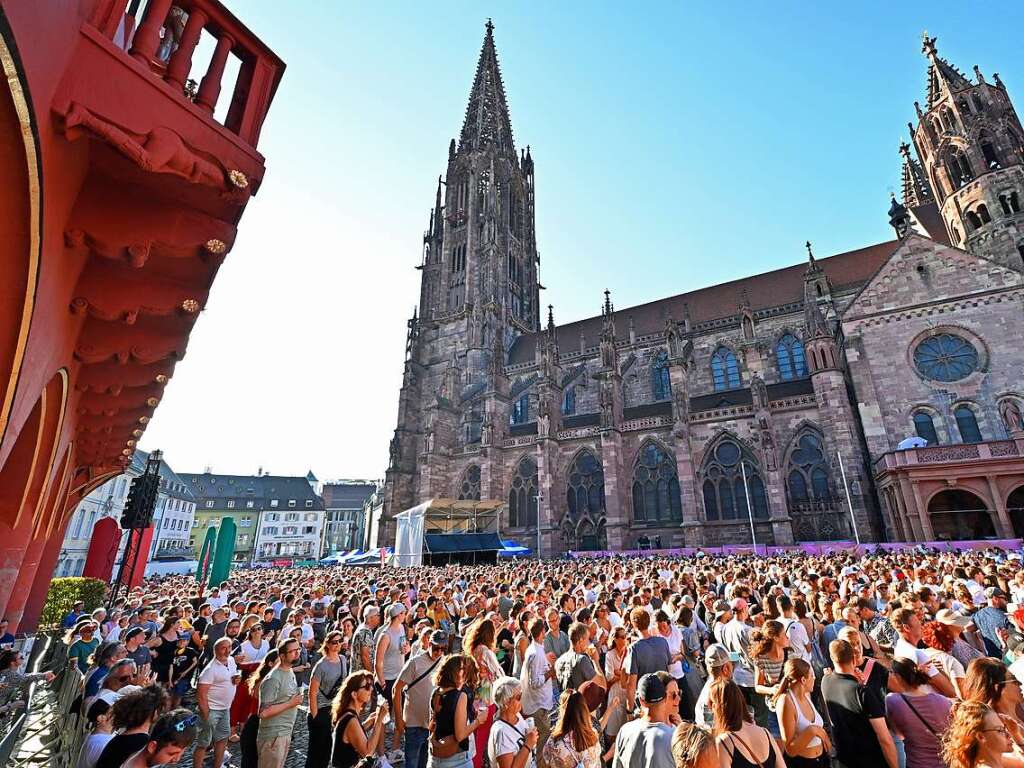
674, 148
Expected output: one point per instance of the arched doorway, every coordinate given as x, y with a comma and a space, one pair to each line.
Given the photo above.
959, 515
1015, 508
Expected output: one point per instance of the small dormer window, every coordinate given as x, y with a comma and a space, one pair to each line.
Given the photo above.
291, 502
309, 503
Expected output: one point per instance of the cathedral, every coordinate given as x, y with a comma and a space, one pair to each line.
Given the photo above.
776, 407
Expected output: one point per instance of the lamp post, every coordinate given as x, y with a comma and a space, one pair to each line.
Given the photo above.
540, 507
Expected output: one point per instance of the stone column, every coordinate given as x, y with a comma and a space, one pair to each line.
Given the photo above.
1003, 524
616, 514
908, 500
549, 511
686, 473
922, 512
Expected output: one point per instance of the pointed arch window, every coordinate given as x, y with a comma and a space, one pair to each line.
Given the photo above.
789, 353
469, 488
983, 213
656, 486
569, 401
725, 371
520, 410
661, 386
959, 168
924, 425
584, 493
967, 423
988, 152
807, 475
724, 494
522, 495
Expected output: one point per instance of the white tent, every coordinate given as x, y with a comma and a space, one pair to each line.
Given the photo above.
409, 536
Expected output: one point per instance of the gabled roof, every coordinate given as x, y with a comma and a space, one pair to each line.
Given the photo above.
770, 289
258, 488
347, 495
487, 122
930, 220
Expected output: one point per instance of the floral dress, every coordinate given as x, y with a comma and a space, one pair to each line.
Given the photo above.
559, 753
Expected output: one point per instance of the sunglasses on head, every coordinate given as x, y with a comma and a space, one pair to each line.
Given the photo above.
188, 722
366, 687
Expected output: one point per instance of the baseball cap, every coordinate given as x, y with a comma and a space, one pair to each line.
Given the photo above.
994, 592
722, 607
439, 638
183, 635
650, 689
716, 656
952, 618
396, 609
738, 604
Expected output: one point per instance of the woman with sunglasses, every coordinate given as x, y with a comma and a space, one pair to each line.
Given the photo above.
976, 738
989, 681
82, 643
351, 744
324, 682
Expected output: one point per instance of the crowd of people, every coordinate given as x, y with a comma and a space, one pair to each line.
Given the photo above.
908, 659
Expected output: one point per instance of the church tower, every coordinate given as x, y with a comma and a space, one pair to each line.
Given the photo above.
968, 138
479, 292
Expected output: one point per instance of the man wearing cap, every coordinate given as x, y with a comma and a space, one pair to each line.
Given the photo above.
215, 692
736, 638
362, 639
77, 612
992, 620
647, 741
412, 693
138, 651
719, 666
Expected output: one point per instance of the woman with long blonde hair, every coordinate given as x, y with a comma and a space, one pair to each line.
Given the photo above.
803, 736
976, 737
351, 744
573, 742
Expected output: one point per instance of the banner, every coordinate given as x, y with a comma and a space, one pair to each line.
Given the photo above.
224, 552
206, 555
809, 548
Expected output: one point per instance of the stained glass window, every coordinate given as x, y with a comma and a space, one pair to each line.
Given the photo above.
522, 496
946, 357
925, 427
789, 353
724, 494
569, 402
660, 384
967, 423
469, 488
808, 471
656, 486
725, 371
520, 410
584, 493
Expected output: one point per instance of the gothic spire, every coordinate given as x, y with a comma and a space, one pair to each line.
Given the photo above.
916, 188
942, 76
487, 122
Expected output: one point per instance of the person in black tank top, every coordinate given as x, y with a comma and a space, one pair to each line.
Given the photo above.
351, 744
746, 744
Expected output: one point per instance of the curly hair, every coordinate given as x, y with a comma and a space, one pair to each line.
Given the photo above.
480, 632
938, 636
139, 707
763, 640
961, 741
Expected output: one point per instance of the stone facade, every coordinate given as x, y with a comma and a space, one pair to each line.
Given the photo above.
662, 424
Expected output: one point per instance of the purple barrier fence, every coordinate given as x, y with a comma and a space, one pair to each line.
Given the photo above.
808, 548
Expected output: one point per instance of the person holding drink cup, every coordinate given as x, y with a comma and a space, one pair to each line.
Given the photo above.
216, 691
513, 738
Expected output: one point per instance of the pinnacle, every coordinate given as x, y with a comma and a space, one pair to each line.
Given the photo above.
486, 122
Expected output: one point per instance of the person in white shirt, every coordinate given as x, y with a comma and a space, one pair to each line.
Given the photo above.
908, 625
511, 743
215, 692
799, 642
538, 692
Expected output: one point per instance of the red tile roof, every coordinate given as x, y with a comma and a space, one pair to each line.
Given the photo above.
770, 289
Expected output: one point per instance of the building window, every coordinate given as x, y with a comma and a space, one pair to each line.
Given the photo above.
311, 518
959, 168
808, 472
250, 504
725, 371
983, 213
469, 488
522, 498
789, 354
655, 486
724, 494
661, 386
231, 504
291, 503
945, 357
967, 423
209, 505
521, 410
290, 530
584, 494
291, 517
245, 522
1010, 203
269, 531
273, 517
309, 503
569, 401
273, 503
925, 427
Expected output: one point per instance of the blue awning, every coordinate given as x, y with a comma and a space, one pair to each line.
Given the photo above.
441, 543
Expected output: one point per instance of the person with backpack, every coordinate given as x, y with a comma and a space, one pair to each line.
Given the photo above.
411, 694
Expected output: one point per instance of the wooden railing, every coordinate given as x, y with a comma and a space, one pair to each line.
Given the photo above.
258, 75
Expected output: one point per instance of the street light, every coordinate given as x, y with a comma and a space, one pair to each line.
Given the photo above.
540, 507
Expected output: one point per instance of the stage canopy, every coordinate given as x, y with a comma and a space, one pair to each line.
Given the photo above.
446, 527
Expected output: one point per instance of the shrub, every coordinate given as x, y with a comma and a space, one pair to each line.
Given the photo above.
65, 592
